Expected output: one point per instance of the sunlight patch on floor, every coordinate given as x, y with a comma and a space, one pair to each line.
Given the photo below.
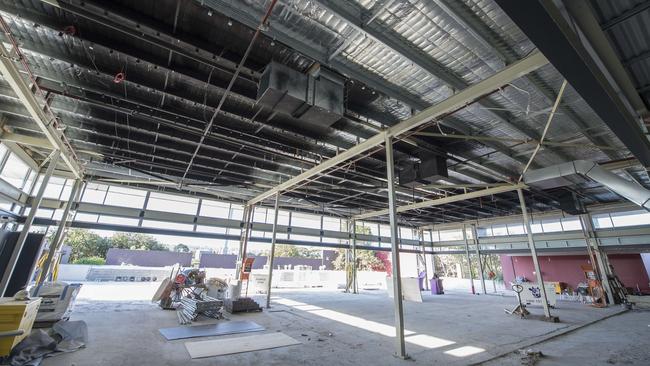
422, 340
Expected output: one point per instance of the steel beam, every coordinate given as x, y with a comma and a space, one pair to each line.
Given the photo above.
354, 256
591, 242
445, 200
469, 259
402, 47
11, 73
545, 25
272, 252
582, 12
57, 240
449, 105
533, 253
478, 257
394, 235
20, 243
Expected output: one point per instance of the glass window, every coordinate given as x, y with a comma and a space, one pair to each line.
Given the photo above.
635, 218
94, 193
54, 187
299, 219
435, 235
86, 217
333, 224
44, 213
210, 229
550, 226
384, 230
30, 180
172, 203
125, 197
406, 233
571, 224
215, 209
260, 215
602, 221
167, 225
116, 220
427, 236
449, 235
15, 171
3, 151
67, 189
499, 230
236, 212
516, 229
484, 231
536, 227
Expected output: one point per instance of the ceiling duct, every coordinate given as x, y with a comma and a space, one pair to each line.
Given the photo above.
430, 169
316, 98
579, 171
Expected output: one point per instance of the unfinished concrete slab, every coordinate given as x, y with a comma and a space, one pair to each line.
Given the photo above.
334, 328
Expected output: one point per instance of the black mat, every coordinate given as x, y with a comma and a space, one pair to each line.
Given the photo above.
223, 328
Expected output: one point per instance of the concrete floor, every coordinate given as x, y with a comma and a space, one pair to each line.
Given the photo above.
345, 329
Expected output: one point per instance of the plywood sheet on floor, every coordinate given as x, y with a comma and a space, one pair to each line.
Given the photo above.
228, 346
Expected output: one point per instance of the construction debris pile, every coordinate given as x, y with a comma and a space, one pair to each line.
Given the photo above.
190, 309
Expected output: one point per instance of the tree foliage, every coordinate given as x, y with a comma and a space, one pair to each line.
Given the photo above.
286, 250
90, 260
180, 247
86, 244
366, 261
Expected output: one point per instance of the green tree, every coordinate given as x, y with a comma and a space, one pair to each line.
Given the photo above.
366, 261
181, 248
86, 244
287, 250
136, 241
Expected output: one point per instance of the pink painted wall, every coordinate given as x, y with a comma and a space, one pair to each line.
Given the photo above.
566, 268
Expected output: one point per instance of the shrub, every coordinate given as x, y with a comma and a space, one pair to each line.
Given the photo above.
90, 260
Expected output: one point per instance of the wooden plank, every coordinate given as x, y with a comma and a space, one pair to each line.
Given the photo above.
228, 346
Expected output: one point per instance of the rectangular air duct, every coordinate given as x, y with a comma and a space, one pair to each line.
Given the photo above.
316, 98
430, 169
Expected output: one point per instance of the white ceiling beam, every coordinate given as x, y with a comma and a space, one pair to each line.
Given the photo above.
11, 73
445, 200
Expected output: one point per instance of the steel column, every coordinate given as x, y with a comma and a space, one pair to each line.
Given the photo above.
469, 259
243, 242
60, 234
424, 259
354, 256
11, 265
592, 243
533, 252
394, 232
272, 253
478, 256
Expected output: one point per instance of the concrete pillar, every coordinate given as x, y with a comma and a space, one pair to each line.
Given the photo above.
533, 252
400, 346
272, 253
27, 225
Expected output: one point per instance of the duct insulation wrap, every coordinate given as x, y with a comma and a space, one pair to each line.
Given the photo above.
578, 171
